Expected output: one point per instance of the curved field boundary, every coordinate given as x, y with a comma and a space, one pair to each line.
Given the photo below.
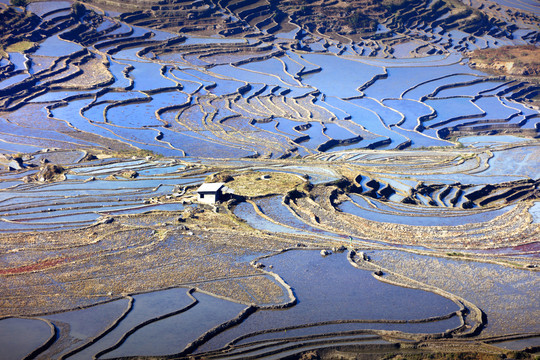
105, 332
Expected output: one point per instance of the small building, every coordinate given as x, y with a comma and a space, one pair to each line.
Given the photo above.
211, 193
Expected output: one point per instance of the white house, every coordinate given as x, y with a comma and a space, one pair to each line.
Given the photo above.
210, 193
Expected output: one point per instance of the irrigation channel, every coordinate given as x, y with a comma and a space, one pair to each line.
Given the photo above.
384, 193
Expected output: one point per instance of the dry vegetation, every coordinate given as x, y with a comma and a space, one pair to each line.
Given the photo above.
512, 60
21, 46
94, 73
48, 272
254, 184
432, 351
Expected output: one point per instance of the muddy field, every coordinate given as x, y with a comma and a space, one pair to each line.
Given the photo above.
380, 191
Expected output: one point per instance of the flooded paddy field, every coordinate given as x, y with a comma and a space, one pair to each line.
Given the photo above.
381, 190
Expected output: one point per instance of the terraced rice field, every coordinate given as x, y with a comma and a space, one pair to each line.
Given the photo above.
416, 174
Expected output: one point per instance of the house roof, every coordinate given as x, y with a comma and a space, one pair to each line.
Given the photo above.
210, 187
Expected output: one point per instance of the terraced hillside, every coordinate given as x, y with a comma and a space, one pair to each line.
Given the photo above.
333, 17
381, 192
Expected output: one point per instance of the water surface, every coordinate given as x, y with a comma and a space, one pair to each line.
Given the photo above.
330, 289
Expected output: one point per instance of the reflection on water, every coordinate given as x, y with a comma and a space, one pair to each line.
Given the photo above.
535, 212
519, 344
508, 296
78, 202
385, 213
246, 212
198, 103
330, 289
54, 46
294, 86
171, 335
145, 307
14, 346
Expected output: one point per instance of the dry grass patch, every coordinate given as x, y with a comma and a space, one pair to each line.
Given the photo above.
513, 60
527, 54
94, 73
21, 46
255, 184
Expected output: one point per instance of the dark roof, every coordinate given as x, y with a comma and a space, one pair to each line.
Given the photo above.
210, 187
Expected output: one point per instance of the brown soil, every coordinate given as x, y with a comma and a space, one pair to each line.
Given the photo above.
135, 254
510, 60
41, 265
94, 73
